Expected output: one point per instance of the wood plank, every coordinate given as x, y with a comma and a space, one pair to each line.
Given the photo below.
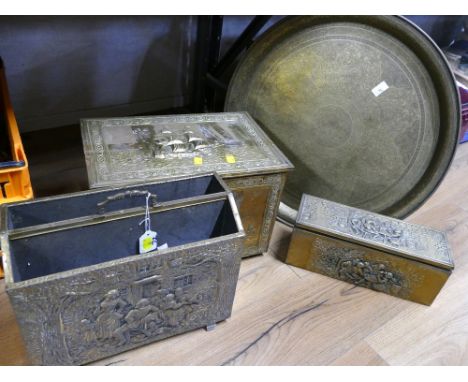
360, 355
435, 335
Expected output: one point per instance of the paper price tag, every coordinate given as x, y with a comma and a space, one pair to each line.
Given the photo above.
148, 242
230, 158
198, 161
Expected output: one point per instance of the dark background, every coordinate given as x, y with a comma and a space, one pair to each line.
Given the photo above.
61, 69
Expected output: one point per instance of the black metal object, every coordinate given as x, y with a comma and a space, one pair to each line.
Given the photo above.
207, 52
12, 164
242, 43
5, 145
209, 69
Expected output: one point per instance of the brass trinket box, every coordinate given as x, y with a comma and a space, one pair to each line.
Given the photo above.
126, 150
370, 250
81, 292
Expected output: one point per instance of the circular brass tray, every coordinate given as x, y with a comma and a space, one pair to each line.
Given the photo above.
365, 107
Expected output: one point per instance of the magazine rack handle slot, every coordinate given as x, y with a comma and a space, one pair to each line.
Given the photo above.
127, 194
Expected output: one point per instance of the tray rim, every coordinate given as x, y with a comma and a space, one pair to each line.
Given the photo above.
287, 214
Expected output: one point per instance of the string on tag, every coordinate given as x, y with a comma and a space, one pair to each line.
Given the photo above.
147, 219
148, 241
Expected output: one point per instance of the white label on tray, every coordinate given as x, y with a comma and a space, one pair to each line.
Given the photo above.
380, 88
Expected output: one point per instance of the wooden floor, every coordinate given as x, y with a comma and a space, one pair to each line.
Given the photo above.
286, 316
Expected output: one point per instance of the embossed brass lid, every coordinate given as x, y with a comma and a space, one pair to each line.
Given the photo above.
125, 150
365, 107
376, 231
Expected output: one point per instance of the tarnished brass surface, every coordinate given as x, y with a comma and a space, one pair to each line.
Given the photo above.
365, 107
126, 150
370, 250
63, 320
373, 230
366, 267
84, 314
257, 200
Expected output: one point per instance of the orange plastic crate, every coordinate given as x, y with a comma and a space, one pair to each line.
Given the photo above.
15, 183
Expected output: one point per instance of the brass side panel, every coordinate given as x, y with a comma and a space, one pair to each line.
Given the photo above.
252, 202
366, 267
90, 315
257, 198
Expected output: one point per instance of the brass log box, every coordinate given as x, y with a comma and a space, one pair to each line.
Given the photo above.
82, 291
126, 150
370, 250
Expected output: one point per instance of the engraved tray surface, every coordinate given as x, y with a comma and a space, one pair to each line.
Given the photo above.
122, 150
365, 107
374, 230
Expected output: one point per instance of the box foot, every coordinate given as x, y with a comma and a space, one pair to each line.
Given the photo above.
210, 327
